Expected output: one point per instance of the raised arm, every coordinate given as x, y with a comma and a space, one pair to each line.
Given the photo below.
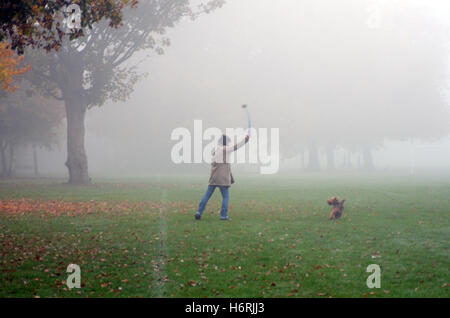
235, 147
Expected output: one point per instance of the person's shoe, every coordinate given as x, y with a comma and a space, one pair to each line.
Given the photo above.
225, 219
197, 216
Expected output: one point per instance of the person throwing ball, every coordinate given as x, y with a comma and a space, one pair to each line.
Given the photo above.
220, 175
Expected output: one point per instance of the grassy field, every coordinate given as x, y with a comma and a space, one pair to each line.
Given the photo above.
138, 237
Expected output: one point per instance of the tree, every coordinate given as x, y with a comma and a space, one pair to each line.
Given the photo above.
9, 70
92, 69
27, 118
43, 23
9, 67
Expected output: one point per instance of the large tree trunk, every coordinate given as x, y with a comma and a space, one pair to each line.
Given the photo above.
76, 154
367, 158
70, 79
313, 160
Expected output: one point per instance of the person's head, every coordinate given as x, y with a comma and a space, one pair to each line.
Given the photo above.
224, 140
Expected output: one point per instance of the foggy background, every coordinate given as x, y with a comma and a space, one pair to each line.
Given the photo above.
339, 76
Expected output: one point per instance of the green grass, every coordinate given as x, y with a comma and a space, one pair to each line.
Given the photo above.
144, 241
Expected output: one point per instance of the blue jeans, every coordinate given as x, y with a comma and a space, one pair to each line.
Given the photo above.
225, 199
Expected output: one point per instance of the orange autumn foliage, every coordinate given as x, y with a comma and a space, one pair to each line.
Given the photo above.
9, 67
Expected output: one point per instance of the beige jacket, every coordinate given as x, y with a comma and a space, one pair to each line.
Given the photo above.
220, 168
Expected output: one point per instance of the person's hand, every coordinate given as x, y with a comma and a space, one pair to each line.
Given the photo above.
247, 137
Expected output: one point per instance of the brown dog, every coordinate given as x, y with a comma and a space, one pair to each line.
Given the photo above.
338, 207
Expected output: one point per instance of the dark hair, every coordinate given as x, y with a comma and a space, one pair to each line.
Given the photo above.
225, 140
